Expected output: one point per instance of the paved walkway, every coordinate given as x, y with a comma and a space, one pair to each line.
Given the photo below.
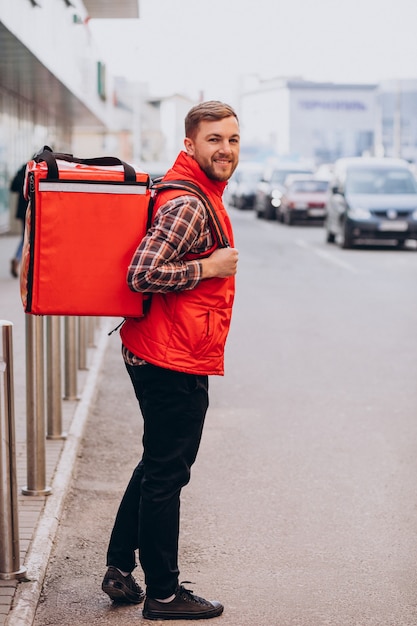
39, 516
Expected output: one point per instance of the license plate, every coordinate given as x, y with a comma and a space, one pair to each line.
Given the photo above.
316, 212
393, 226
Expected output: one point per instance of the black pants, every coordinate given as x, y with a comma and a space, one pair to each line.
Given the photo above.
173, 405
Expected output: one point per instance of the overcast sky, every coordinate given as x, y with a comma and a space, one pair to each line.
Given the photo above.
193, 46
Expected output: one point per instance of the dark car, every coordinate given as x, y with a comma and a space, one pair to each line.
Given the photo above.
371, 199
271, 187
242, 185
304, 199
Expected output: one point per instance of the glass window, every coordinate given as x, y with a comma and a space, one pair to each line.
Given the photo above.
380, 181
309, 186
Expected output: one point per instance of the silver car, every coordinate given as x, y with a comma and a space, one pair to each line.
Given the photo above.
371, 199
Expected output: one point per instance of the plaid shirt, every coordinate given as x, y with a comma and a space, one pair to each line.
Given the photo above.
180, 227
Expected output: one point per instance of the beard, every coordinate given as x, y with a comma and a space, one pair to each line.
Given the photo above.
218, 173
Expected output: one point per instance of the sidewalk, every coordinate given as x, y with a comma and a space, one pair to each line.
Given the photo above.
39, 515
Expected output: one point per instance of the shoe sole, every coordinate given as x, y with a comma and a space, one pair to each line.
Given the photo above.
120, 595
155, 615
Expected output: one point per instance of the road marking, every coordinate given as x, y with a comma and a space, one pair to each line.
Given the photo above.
327, 256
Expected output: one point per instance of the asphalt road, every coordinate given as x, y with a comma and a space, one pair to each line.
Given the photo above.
302, 508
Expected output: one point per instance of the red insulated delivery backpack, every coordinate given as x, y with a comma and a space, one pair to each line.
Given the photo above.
84, 221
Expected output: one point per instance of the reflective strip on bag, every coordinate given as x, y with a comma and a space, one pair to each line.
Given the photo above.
89, 187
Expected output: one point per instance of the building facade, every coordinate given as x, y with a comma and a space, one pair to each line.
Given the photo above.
162, 127
303, 119
397, 119
53, 84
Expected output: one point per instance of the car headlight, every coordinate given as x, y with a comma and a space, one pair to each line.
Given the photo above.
275, 193
358, 213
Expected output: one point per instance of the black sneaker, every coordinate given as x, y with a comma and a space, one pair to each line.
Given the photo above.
184, 606
122, 588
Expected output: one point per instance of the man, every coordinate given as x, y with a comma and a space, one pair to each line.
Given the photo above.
169, 354
17, 185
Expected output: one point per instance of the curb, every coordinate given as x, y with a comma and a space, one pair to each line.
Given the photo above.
27, 594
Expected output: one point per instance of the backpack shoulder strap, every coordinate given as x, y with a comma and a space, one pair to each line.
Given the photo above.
186, 185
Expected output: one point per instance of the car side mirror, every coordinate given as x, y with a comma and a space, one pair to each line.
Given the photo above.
337, 189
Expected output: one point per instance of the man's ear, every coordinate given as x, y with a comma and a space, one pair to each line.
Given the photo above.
189, 146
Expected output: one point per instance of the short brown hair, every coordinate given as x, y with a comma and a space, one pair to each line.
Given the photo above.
210, 110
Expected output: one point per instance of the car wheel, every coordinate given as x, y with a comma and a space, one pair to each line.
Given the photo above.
330, 237
347, 238
270, 213
288, 218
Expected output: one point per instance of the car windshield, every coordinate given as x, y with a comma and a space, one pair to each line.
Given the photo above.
309, 186
380, 181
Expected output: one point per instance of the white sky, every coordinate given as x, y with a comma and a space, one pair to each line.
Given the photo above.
193, 46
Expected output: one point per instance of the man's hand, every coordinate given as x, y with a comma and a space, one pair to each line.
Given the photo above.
221, 264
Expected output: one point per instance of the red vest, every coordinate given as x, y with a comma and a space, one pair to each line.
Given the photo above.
187, 330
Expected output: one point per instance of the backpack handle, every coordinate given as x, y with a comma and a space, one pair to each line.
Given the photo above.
46, 154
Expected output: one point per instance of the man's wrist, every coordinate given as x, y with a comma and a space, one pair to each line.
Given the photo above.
206, 269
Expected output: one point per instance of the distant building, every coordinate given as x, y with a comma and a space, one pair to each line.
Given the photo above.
162, 127
303, 119
54, 87
397, 119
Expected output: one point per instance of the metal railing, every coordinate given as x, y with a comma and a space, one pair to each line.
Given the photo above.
35, 408
54, 378
44, 400
9, 527
75, 358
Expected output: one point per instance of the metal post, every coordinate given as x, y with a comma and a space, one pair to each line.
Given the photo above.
35, 409
82, 343
53, 378
70, 359
9, 526
91, 323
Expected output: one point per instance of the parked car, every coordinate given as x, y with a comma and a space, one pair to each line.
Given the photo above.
271, 187
371, 198
304, 199
242, 185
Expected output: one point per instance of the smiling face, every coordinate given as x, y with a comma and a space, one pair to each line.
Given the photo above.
215, 146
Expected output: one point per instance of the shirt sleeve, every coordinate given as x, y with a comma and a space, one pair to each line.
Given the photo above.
180, 226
